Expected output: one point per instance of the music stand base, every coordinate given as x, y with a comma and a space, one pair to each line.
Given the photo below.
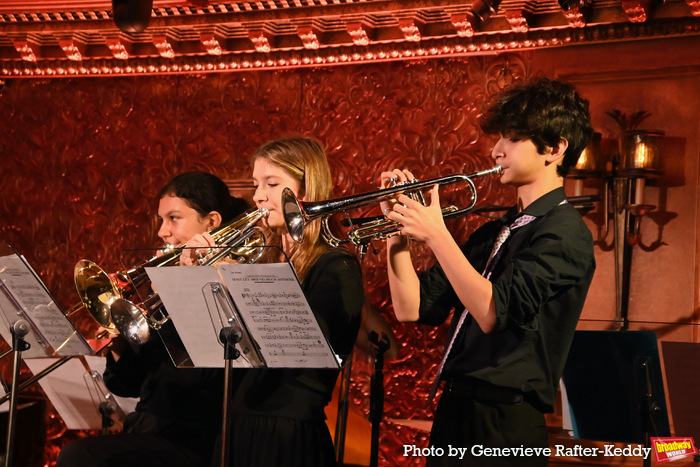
229, 336
19, 345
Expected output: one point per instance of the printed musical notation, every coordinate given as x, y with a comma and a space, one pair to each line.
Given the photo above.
278, 317
26, 297
273, 299
298, 349
286, 319
268, 303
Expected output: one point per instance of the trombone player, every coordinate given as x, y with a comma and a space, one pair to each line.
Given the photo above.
178, 416
515, 307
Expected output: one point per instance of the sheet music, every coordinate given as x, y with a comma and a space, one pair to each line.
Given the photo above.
67, 390
272, 304
53, 333
181, 290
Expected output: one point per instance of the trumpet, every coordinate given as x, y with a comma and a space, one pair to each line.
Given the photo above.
107, 297
298, 214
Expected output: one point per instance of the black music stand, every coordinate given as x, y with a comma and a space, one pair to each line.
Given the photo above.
80, 396
341, 421
236, 340
36, 325
230, 336
376, 407
19, 330
614, 386
257, 312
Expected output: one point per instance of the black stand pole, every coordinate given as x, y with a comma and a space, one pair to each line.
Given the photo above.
376, 405
19, 329
229, 336
649, 409
341, 421
106, 409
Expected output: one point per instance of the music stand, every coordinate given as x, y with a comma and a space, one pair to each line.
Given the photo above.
79, 395
33, 323
343, 405
376, 407
256, 314
614, 386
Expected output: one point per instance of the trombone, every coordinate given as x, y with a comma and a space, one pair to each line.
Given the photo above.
298, 214
107, 297
100, 292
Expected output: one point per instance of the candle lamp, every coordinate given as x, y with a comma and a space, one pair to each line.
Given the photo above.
624, 178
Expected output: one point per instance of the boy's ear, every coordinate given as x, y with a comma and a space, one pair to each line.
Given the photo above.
558, 150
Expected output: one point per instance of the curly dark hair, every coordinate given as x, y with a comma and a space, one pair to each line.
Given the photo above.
543, 111
205, 193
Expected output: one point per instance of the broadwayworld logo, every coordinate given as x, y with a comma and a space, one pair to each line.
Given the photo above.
669, 449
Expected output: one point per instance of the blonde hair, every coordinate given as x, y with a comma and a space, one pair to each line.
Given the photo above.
304, 159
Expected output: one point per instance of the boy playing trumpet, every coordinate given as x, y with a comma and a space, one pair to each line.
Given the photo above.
515, 307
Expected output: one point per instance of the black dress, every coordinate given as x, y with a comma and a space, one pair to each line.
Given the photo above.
176, 421
278, 415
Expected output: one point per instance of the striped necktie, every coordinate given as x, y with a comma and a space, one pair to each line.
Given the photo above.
493, 258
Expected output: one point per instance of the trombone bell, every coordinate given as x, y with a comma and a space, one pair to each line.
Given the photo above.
107, 298
97, 292
130, 321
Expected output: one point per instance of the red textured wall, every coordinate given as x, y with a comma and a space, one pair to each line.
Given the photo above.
83, 159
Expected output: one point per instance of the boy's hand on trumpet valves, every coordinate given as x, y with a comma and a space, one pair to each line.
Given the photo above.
416, 221
390, 180
420, 223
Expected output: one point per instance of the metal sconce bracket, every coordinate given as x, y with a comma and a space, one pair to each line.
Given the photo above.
625, 173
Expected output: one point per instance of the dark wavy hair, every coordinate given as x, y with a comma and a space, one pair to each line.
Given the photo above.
205, 193
543, 111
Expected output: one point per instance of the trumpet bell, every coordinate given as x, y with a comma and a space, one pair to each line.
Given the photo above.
97, 292
294, 216
130, 321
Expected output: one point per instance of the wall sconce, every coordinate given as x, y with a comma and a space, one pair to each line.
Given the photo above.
624, 174
640, 159
591, 163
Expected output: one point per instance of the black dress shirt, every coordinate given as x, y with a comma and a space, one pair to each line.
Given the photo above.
333, 287
540, 281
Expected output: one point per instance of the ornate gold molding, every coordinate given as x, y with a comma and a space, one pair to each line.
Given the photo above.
315, 57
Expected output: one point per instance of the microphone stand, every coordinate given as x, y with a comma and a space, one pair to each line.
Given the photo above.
376, 406
19, 329
229, 336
